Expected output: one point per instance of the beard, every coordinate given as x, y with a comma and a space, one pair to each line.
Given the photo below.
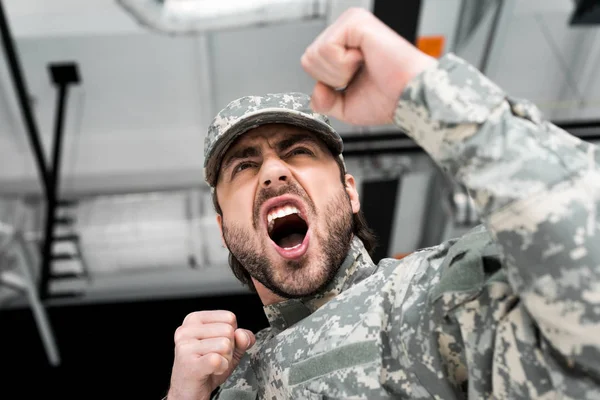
306, 276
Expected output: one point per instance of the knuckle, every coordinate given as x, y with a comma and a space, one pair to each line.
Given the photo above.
214, 360
192, 317
310, 54
225, 344
229, 331
181, 350
179, 334
231, 318
324, 51
304, 61
356, 11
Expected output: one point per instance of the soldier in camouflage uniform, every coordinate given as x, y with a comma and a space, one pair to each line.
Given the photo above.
511, 310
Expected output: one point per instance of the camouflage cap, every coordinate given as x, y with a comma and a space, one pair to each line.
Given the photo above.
249, 112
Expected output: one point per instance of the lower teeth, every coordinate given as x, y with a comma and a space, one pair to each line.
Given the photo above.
293, 247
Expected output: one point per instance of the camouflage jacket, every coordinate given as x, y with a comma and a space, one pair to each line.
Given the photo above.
509, 311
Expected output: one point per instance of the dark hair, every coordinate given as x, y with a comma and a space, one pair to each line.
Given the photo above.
359, 224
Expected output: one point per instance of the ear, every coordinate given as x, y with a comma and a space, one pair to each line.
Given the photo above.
352, 193
220, 223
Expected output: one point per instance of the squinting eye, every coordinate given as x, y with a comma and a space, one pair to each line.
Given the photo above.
242, 166
300, 150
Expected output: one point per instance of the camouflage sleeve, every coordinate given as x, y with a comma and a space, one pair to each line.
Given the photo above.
537, 189
241, 384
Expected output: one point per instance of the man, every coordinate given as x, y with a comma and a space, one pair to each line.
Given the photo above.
511, 310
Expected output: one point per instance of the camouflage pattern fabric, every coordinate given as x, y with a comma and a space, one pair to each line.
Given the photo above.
510, 310
249, 112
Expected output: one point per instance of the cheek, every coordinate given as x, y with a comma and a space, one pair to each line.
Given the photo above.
237, 207
321, 185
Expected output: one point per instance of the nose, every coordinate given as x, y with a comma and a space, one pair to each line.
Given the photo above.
274, 173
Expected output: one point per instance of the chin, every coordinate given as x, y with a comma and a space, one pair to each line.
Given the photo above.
301, 279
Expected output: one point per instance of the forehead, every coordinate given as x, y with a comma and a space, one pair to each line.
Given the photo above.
270, 134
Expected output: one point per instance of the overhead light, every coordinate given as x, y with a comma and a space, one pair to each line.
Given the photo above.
196, 16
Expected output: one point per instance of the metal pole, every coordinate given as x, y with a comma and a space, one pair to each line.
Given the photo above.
39, 312
53, 189
497, 37
23, 98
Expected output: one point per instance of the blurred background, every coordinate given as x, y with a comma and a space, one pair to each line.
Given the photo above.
108, 237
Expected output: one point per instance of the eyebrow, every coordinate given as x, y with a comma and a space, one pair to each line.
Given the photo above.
254, 151
285, 144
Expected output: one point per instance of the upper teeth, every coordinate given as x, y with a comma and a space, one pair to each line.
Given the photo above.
280, 212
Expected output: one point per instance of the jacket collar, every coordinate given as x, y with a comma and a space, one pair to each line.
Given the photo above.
357, 266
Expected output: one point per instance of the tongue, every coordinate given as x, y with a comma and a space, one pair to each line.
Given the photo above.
291, 240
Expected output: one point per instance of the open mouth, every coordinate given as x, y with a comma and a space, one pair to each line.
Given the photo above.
288, 230
286, 227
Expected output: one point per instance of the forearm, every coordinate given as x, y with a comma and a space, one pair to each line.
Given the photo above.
537, 189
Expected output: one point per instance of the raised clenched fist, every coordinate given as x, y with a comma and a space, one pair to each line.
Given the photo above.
208, 347
369, 60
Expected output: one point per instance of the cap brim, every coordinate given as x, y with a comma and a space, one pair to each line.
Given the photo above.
269, 116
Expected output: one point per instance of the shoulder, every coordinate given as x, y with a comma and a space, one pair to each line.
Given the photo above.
471, 261
261, 336
456, 265
476, 242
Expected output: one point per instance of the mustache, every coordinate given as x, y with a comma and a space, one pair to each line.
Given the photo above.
269, 193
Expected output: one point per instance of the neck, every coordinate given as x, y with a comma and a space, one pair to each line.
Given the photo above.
266, 296
283, 313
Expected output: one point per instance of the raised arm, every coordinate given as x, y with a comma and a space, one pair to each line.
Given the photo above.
537, 189
536, 186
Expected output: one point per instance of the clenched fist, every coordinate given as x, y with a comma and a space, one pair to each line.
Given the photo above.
373, 63
208, 347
